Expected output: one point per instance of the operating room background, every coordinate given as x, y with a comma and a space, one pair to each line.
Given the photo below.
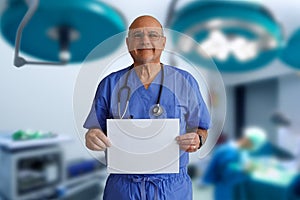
41, 97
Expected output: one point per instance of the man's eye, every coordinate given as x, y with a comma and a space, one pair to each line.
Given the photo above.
138, 35
154, 35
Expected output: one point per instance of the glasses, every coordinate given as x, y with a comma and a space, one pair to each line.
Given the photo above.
152, 35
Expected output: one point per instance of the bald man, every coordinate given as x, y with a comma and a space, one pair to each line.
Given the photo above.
156, 91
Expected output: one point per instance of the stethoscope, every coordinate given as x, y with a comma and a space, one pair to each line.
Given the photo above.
157, 109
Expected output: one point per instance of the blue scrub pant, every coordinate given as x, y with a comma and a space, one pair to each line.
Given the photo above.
149, 187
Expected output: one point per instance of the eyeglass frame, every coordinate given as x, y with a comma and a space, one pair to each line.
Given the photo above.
131, 35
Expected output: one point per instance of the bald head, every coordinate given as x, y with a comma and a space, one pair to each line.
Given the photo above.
145, 40
145, 21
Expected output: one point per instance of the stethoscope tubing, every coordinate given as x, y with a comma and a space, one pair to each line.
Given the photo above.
126, 87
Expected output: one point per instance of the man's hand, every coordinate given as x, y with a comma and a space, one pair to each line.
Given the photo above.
190, 142
96, 140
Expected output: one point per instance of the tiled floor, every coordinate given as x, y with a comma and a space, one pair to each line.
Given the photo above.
202, 193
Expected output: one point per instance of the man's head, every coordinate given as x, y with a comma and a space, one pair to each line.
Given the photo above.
145, 40
253, 138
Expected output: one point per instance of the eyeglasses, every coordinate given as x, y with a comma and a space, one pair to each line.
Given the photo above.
152, 35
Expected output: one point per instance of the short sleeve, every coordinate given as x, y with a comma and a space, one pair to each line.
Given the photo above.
100, 109
198, 115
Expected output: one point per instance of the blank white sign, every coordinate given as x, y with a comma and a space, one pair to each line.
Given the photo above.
143, 146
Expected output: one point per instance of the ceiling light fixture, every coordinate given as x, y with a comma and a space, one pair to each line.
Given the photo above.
59, 32
238, 36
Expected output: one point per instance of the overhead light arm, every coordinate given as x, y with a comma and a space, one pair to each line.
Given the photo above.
18, 60
170, 13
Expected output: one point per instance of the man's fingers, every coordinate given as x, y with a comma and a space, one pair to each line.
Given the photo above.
189, 148
104, 139
187, 136
188, 142
95, 147
188, 139
95, 144
96, 140
98, 144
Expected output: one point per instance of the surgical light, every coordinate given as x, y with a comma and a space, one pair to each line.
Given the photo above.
237, 35
216, 45
290, 53
59, 31
243, 49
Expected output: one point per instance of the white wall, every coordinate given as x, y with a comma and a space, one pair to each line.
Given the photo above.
229, 126
261, 102
289, 99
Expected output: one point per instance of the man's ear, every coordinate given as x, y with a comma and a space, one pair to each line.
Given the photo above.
164, 41
127, 43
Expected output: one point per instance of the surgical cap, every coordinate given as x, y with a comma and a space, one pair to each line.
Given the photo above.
256, 135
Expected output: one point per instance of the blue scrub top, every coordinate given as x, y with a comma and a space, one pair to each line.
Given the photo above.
180, 98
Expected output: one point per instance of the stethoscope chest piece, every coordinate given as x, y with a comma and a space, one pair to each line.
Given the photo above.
157, 110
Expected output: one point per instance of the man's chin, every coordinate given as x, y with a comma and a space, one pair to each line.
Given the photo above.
146, 61
146, 58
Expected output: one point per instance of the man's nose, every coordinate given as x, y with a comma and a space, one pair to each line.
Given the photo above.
145, 39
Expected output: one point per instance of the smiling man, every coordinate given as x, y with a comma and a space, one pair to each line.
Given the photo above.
149, 89
145, 40
145, 43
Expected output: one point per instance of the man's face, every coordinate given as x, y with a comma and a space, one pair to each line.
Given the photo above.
146, 44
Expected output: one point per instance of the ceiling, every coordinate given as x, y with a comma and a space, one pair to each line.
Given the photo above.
286, 13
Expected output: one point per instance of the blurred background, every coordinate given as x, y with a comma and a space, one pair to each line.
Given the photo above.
254, 44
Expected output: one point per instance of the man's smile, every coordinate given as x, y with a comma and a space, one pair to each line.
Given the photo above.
141, 49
